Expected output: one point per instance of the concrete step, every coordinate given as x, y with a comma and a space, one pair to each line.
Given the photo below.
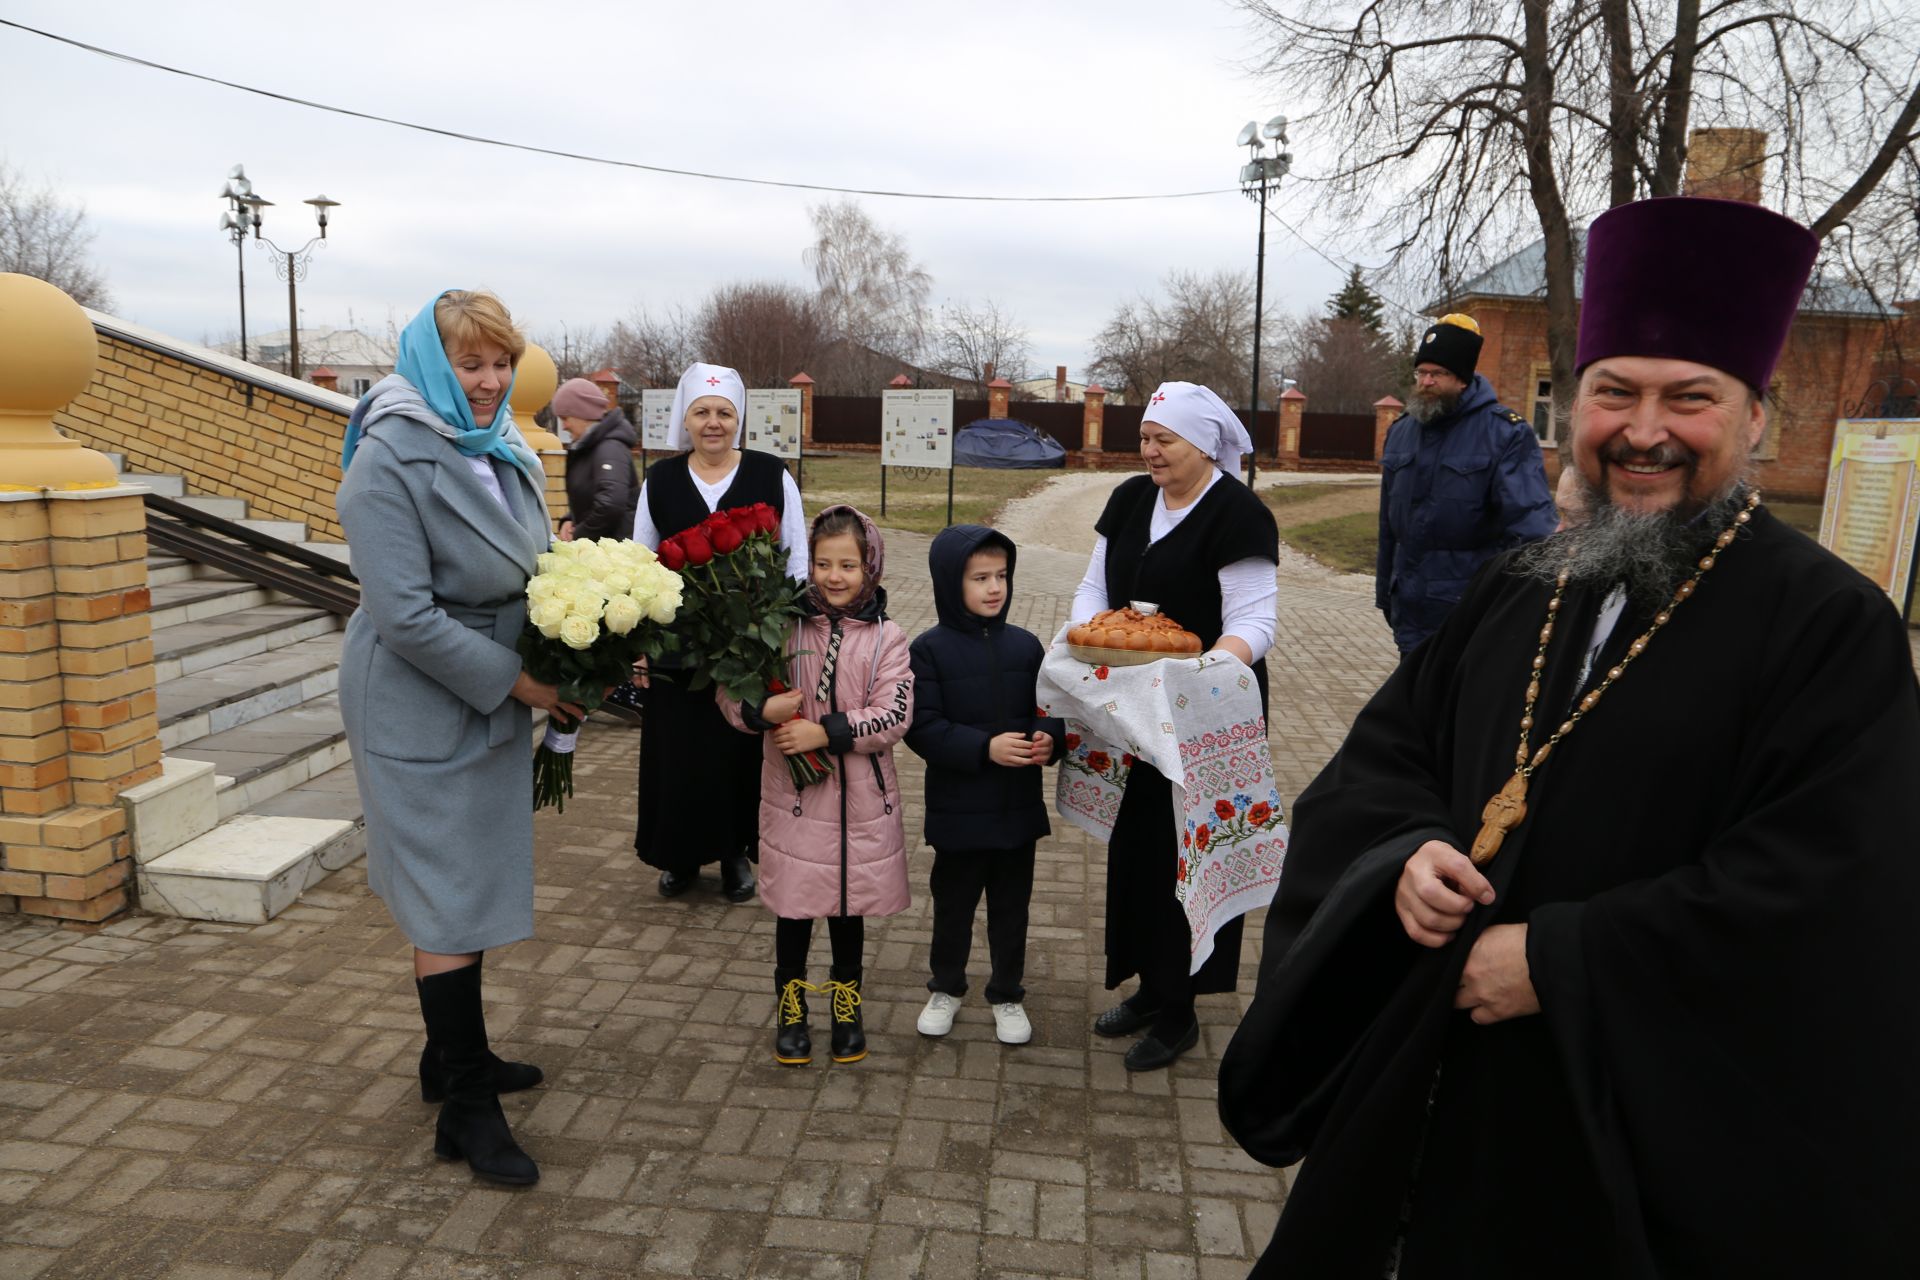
225, 508
247, 689
334, 550
249, 868
164, 570
285, 530
188, 647
198, 599
256, 761
165, 486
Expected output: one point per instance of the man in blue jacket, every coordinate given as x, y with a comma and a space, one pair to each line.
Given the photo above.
1461, 478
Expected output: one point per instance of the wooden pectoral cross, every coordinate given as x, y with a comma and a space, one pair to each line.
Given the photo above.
1503, 813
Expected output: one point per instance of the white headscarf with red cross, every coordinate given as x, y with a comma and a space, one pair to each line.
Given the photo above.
1202, 419
705, 380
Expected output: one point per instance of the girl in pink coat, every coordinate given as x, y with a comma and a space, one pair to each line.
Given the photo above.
837, 849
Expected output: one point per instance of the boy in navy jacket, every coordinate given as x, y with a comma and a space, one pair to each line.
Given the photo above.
976, 726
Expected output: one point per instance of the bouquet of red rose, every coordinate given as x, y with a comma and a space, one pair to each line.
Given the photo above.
736, 609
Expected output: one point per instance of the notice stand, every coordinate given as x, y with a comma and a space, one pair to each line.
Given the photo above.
656, 431
773, 425
916, 430
1871, 515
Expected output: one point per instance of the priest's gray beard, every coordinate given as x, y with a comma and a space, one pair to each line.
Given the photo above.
1649, 553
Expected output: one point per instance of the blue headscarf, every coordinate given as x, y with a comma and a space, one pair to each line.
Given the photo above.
423, 363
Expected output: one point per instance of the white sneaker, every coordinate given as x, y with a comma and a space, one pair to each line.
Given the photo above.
937, 1018
1010, 1023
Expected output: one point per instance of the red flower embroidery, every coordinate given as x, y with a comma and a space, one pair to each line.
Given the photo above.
1202, 835
1223, 809
1259, 814
1127, 759
1183, 868
1098, 761
1073, 742
1100, 673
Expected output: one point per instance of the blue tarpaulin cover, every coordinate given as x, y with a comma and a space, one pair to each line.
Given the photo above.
1003, 442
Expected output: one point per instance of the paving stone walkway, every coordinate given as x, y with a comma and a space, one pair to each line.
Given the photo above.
222, 1103
208, 1102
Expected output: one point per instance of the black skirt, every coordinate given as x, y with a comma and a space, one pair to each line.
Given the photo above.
1146, 929
699, 781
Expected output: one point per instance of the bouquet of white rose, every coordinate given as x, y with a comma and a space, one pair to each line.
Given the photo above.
594, 607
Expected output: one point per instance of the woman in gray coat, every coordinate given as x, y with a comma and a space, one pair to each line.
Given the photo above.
442, 507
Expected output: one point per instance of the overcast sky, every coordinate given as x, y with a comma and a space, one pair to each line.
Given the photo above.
1113, 97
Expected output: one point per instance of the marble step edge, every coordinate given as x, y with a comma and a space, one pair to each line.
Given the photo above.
273, 633
244, 706
239, 793
208, 598
248, 869
169, 571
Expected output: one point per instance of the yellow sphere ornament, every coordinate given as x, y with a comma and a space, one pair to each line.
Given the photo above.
535, 379
47, 354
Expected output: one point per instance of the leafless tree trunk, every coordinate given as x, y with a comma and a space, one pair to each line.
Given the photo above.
1670, 155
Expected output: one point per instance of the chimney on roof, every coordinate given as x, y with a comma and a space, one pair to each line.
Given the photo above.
1060, 383
1726, 164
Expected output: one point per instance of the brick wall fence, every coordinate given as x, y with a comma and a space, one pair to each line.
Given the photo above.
173, 408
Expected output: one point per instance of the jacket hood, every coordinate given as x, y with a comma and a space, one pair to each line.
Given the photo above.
947, 561
612, 427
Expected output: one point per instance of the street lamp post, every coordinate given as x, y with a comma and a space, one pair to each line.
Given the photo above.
1256, 175
289, 264
234, 222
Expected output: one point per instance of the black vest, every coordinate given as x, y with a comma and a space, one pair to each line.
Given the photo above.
674, 504
1181, 572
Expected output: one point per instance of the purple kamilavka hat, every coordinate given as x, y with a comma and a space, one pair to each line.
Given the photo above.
1712, 281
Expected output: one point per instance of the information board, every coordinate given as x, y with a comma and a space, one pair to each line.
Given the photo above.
656, 404
916, 429
1871, 515
773, 422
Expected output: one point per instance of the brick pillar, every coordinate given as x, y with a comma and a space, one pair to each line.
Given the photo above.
1293, 407
997, 392
74, 739
804, 385
1093, 417
1385, 410
609, 383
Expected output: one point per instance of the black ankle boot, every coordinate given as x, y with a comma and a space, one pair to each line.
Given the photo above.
736, 877
508, 1077
471, 1125
792, 1041
849, 1037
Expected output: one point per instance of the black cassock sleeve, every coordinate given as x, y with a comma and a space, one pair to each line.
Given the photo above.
1740, 1032
1334, 952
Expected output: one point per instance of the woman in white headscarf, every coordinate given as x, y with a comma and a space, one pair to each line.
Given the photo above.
699, 778
1191, 538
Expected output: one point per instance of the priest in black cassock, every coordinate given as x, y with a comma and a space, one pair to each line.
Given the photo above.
1665, 1027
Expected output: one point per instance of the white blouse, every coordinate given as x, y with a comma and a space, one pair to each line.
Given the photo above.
1249, 589
793, 518
489, 479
